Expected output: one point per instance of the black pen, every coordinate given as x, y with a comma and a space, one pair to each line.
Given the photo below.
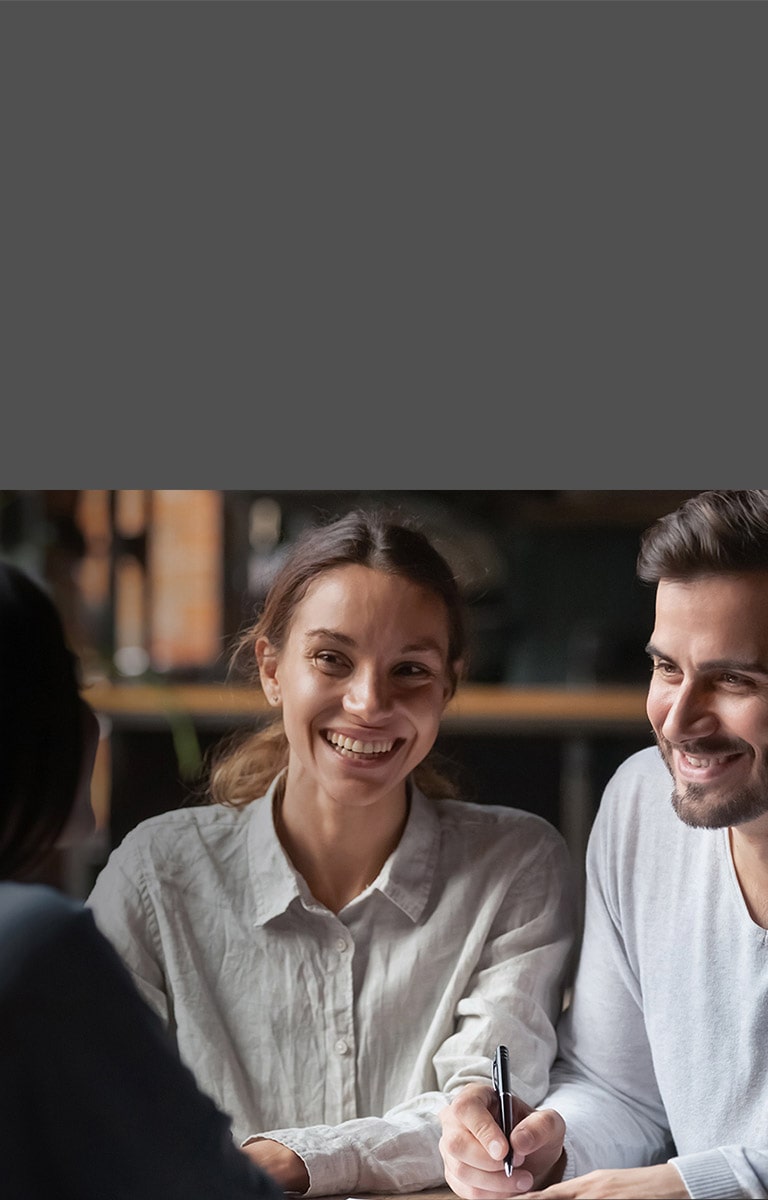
500, 1071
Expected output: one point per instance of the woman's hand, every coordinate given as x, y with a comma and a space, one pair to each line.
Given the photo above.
285, 1167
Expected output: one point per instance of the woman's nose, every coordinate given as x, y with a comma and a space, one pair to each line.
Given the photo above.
367, 694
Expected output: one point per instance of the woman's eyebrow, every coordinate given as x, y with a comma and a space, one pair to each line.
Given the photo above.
330, 633
425, 643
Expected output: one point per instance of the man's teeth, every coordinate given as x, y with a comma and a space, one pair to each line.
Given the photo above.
715, 760
358, 747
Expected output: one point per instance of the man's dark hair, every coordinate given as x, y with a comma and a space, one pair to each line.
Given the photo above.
711, 533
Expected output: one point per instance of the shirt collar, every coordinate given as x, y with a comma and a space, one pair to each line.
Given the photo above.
405, 879
275, 882
407, 875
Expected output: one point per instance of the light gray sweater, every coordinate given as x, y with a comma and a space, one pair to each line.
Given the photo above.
664, 1050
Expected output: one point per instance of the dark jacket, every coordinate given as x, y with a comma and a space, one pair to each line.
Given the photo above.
94, 1101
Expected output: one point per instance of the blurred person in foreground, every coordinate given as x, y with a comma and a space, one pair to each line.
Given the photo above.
397, 931
94, 1101
661, 1084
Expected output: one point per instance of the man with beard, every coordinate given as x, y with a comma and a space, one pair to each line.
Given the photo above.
661, 1084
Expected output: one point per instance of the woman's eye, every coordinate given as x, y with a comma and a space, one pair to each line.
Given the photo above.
329, 660
412, 670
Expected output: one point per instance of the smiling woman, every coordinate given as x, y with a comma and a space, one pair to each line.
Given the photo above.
336, 940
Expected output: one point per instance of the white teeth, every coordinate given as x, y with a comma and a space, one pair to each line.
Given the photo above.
355, 746
707, 762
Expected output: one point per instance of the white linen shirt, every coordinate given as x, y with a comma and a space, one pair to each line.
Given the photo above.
342, 1036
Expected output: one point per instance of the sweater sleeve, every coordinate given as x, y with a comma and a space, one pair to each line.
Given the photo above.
725, 1173
603, 1082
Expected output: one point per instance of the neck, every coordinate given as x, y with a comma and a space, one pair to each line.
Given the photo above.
338, 851
750, 861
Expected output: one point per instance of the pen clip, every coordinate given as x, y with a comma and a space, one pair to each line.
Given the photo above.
500, 1070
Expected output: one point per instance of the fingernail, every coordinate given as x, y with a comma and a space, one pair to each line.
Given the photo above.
524, 1183
496, 1150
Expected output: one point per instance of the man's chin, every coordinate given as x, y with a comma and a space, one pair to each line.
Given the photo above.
699, 811
695, 815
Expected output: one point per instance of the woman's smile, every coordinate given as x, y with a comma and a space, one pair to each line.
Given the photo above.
364, 748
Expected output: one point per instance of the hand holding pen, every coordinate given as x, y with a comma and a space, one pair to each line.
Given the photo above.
466, 1123
500, 1072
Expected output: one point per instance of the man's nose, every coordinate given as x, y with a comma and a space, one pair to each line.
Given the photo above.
689, 715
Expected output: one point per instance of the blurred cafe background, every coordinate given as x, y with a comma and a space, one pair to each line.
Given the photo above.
154, 585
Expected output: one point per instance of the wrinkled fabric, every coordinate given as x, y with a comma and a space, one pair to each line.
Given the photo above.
343, 1035
664, 1046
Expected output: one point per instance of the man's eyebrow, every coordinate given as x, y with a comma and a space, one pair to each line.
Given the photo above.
735, 664
717, 664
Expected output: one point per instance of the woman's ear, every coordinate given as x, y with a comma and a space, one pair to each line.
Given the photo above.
266, 658
452, 680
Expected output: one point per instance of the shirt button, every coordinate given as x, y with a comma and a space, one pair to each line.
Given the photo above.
342, 1047
341, 945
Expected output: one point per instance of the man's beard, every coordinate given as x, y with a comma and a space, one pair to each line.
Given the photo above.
697, 807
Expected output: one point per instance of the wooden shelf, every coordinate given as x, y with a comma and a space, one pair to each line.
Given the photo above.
476, 707
537, 707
